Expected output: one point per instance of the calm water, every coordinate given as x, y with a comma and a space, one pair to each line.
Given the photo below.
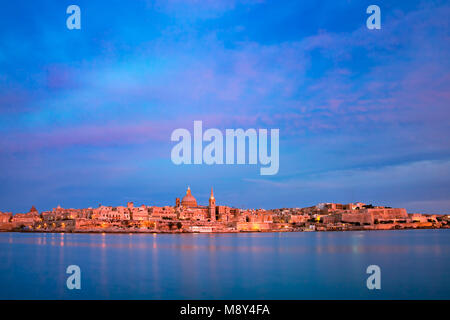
414, 264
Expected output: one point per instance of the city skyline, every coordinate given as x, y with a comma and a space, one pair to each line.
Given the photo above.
186, 215
86, 115
190, 201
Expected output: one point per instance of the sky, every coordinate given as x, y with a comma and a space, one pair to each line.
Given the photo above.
86, 115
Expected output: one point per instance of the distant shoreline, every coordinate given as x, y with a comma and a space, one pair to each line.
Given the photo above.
218, 232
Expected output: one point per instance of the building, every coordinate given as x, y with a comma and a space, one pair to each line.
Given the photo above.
111, 213
188, 200
190, 210
5, 217
366, 216
212, 206
166, 212
138, 214
26, 219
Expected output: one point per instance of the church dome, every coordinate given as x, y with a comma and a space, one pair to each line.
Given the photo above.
189, 200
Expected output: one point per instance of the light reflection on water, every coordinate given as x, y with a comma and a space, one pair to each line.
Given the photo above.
140, 241
415, 265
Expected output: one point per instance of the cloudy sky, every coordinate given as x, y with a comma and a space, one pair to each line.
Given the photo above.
86, 115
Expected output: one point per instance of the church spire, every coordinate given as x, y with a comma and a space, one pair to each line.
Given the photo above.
212, 206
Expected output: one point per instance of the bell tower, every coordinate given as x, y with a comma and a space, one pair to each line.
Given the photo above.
212, 206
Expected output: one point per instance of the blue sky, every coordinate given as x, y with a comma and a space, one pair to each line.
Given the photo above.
86, 115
